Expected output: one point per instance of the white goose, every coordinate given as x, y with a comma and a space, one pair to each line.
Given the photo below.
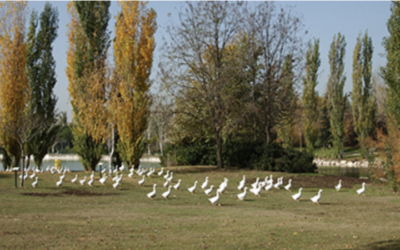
316, 198
161, 172
166, 175
90, 182
32, 175
75, 179
34, 184
116, 184
177, 185
141, 182
103, 179
241, 196
205, 183
279, 183
289, 185
338, 186
59, 183
256, 191
167, 193
193, 188
242, 183
153, 193
269, 186
171, 176
255, 184
130, 174
361, 190
214, 200
166, 183
208, 191
82, 181
297, 196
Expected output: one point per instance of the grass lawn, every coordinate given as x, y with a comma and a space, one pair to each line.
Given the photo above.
100, 217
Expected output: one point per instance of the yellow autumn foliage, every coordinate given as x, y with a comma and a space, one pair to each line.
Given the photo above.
133, 52
14, 91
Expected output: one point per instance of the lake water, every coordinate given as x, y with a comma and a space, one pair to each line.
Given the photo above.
335, 171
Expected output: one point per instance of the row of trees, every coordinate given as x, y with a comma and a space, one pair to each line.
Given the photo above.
110, 103
28, 119
235, 72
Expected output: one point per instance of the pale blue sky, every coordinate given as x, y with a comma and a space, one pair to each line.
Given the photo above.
322, 20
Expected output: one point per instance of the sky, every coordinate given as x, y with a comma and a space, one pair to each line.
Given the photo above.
322, 20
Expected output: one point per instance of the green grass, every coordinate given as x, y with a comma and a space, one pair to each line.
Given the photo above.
100, 217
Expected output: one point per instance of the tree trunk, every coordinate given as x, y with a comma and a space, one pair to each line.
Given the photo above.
218, 138
111, 153
23, 168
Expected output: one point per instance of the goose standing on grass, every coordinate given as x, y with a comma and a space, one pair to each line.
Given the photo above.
171, 176
193, 188
279, 183
166, 175
75, 179
141, 182
205, 183
269, 186
59, 183
214, 200
208, 191
316, 198
116, 184
161, 172
255, 184
33, 175
241, 196
34, 184
256, 191
130, 174
90, 182
166, 183
338, 186
223, 185
297, 196
242, 183
177, 185
82, 181
167, 193
103, 179
361, 190
289, 185
153, 193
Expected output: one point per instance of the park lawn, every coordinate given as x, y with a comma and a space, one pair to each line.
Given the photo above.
100, 217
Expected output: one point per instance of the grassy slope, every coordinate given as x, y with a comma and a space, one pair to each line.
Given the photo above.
81, 217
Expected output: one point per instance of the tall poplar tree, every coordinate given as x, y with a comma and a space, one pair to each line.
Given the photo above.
89, 41
42, 79
310, 96
285, 127
391, 76
133, 51
14, 91
363, 103
336, 98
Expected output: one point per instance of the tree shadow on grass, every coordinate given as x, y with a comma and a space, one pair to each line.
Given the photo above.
6, 176
383, 245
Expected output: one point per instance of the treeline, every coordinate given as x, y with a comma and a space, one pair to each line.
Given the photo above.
110, 101
233, 73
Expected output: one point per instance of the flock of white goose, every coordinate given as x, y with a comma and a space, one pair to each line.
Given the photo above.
267, 184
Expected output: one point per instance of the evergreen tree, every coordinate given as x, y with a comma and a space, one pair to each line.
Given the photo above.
310, 96
336, 98
42, 79
363, 103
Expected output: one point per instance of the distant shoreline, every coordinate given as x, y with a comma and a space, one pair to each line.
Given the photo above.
74, 157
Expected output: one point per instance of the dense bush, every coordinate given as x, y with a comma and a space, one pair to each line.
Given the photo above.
242, 154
